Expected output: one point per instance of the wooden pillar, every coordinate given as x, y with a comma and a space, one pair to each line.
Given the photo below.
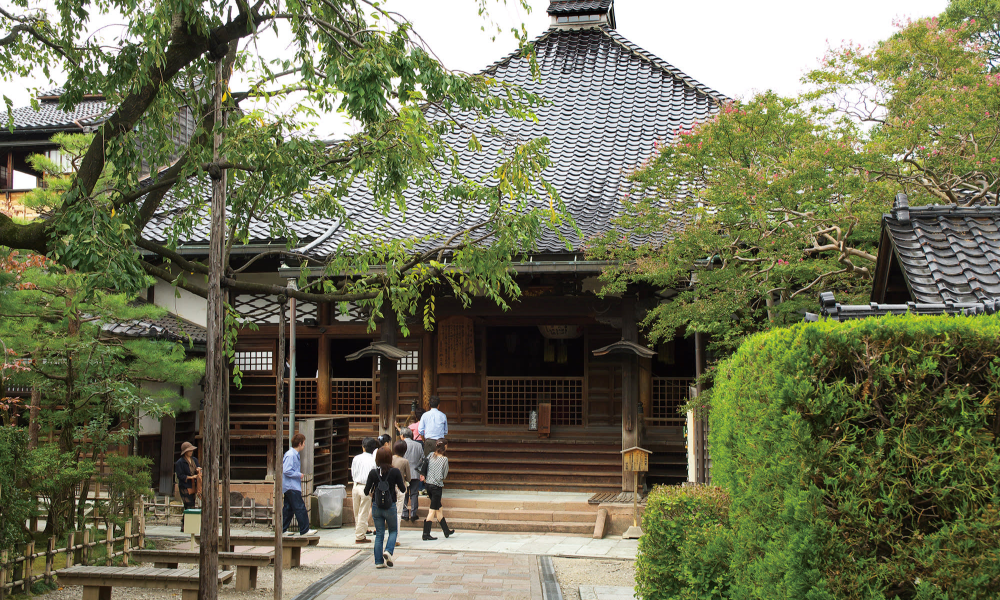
224, 445
388, 392
428, 360
324, 402
7, 171
279, 401
695, 442
630, 387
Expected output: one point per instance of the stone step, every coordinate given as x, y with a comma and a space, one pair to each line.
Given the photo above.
505, 526
502, 505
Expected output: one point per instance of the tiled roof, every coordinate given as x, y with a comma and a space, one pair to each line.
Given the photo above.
610, 103
572, 7
832, 309
168, 327
947, 253
50, 116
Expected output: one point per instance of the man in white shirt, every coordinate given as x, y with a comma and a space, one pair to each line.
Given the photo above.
433, 426
360, 467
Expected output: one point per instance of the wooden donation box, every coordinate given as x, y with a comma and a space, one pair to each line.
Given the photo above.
635, 460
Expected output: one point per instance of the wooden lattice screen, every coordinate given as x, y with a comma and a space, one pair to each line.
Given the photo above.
509, 400
306, 396
354, 398
264, 308
669, 394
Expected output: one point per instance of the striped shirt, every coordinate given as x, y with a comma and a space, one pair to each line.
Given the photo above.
437, 470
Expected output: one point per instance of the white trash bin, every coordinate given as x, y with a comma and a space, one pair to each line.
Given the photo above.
331, 505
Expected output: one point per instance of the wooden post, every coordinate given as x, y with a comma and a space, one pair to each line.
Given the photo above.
224, 450
69, 549
280, 413
142, 521
324, 401
80, 554
109, 545
292, 347
208, 588
27, 565
127, 543
630, 387
427, 362
388, 404
3, 574
50, 558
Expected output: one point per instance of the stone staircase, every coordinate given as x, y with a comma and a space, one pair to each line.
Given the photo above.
508, 512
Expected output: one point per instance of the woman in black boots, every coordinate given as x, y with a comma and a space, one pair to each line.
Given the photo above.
437, 472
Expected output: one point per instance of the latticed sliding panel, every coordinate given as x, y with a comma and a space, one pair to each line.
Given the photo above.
306, 396
669, 394
509, 400
354, 398
263, 308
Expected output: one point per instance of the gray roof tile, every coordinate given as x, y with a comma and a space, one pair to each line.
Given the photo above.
50, 116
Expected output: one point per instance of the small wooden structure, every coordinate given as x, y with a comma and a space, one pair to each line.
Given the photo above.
98, 582
291, 546
635, 460
246, 563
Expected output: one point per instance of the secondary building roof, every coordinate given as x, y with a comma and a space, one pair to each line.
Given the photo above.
938, 254
611, 103
90, 112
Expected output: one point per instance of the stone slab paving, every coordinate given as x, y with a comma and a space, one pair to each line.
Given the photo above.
606, 592
442, 576
550, 544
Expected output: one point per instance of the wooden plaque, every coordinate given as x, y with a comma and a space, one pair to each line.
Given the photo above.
456, 351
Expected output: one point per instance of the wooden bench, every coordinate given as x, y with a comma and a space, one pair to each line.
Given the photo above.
97, 582
291, 545
246, 563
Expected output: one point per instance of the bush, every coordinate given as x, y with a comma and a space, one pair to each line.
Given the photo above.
861, 459
15, 500
686, 543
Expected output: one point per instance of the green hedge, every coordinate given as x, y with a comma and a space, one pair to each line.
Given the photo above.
685, 547
15, 499
862, 460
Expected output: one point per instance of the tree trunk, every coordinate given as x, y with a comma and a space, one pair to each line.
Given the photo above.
33, 414
208, 588
279, 412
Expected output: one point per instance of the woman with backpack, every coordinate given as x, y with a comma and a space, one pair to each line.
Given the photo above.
383, 481
435, 471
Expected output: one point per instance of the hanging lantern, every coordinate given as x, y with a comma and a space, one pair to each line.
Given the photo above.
533, 420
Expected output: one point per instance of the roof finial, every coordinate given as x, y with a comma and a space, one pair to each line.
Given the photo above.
901, 209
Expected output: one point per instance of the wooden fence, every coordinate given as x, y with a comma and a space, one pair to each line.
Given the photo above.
17, 565
248, 512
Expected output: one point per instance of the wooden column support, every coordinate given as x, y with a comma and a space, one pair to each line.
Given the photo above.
630, 387
388, 384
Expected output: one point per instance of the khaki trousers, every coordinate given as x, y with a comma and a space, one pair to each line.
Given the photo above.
362, 511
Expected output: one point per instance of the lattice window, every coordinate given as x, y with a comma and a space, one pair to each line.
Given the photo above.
410, 362
669, 394
354, 398
509, 400
263, 309
354, 314
306, 396
262, 360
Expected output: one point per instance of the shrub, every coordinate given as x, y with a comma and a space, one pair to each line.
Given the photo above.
861, 459
15, 500
685, 547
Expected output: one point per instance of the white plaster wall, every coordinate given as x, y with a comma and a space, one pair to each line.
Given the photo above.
193, 308
194, 394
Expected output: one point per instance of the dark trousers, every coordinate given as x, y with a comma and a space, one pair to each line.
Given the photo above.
294, 504
187, 499
412, 499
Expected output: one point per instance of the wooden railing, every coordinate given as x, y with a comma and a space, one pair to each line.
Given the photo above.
669, 395
510, 400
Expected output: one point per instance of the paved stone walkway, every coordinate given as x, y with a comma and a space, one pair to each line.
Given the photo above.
442, 576
606, 592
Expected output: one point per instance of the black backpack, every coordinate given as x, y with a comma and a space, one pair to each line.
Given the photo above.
383, 492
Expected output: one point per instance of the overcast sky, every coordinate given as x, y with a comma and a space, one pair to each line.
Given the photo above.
735, 46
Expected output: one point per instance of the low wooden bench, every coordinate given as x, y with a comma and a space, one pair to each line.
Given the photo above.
291, 545
97, 582
246, 563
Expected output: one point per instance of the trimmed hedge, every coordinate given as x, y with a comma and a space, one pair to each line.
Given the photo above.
15, 499
685, 547
862, 460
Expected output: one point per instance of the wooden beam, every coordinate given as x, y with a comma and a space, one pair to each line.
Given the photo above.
630, 387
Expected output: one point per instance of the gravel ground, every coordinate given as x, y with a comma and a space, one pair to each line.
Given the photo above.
294, 581
574, 572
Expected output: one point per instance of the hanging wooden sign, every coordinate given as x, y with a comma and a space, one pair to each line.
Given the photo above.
456, 348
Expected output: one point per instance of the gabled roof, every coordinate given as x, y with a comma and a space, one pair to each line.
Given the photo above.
168, 327
89, 112
610, 103
944, 253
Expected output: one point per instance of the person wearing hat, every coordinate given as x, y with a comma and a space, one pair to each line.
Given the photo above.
188, 472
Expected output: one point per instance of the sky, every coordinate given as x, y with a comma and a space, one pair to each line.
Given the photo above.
737, 47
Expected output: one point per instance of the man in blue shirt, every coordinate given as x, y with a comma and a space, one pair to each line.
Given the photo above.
291, 487
433, 426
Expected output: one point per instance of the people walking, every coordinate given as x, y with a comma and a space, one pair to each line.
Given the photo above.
383, 481
414, 454
437, 472
361, 466
399, 461
433, 426
291, 487
187, 470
